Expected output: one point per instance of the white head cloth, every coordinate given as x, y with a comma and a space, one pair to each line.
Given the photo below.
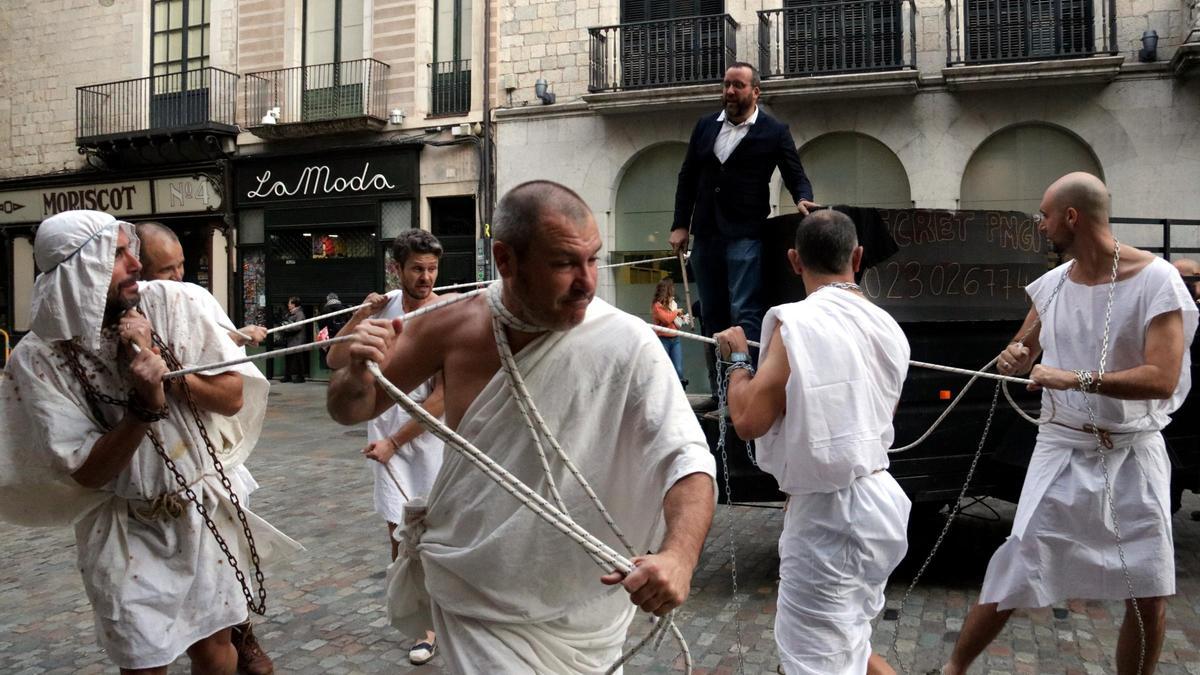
76, 251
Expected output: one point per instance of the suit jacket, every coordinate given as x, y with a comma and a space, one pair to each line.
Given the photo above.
733, 199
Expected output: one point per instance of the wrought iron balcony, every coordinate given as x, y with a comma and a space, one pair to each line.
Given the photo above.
834, 38
195, 101
450, 88
324, 98
668, 53
999, 31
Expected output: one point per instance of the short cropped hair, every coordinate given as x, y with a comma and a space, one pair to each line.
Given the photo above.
755, 80
522, 208
415, 241
826, 241
294, 300
153, 229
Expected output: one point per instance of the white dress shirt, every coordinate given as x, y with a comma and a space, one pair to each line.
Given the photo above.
731, 134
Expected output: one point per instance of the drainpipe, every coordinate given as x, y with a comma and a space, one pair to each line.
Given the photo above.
486, 147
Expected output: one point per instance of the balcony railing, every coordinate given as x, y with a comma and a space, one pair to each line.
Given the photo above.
450, 87
196, 100
830, 38
318, 93
690, 50
998, 31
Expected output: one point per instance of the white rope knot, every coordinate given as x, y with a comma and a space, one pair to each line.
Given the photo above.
506, 317
409, 536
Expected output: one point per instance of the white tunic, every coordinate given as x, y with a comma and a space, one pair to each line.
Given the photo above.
416, 464
1062, 543
848, 360
844, 531
496, 574
156, 585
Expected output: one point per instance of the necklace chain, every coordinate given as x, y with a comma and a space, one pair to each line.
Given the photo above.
844, 285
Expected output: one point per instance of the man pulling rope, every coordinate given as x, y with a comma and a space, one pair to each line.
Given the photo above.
502, 594
94, 438
821, 405
1100, 462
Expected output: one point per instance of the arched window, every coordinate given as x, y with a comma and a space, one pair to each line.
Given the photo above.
1013, 167
642, 222
847, 167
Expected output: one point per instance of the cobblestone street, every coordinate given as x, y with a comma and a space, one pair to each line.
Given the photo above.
326, 608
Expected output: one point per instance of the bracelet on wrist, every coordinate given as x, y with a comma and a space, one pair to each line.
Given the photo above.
1088, 383
739, 365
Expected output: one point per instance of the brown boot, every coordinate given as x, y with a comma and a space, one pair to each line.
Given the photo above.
252, 659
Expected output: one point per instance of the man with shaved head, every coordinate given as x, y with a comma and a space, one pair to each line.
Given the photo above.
505, 592
162, 259
1113, 327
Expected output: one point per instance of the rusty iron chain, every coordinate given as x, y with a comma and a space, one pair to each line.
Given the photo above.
94, 397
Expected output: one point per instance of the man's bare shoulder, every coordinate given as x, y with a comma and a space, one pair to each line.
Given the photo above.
1133, 260
443, 325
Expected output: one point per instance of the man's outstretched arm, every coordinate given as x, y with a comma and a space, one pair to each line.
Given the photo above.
755, 402
353, 395
661, 582
220, 393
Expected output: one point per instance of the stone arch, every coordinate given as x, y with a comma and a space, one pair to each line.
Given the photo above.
850, 167
1011, 168
642, 214
645, 198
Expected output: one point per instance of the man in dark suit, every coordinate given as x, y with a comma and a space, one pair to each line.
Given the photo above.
723, 198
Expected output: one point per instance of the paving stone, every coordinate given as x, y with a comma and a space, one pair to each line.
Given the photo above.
327, 613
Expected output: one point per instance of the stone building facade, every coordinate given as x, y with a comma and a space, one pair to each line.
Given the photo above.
152, 94
912, 104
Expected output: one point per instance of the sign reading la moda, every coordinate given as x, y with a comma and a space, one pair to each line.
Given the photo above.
318, 181
367, 174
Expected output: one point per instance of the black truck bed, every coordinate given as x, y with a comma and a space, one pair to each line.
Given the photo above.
966, 332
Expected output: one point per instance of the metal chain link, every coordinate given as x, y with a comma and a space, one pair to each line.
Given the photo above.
94, 396
260, 579
950, 517
722, 425
962, 493
1101, 450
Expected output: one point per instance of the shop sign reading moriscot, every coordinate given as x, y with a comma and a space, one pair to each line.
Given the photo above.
119, 199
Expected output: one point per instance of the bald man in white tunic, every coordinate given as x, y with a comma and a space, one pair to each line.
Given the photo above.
821, 405
1064, 540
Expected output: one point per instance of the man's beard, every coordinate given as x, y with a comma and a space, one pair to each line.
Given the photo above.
412, 292
117, 304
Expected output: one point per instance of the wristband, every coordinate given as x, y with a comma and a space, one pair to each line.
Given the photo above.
1087, 381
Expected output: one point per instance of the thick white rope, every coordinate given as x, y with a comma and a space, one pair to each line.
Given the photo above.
257, 357
437, 288
485, 282
538, 428
337, 312
239, 333
608, 559
510, 483
533, 417
319, 343
919, 364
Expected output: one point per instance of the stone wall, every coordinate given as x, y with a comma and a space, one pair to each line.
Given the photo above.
1142, 129
50, 49
549, 38
47, 50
